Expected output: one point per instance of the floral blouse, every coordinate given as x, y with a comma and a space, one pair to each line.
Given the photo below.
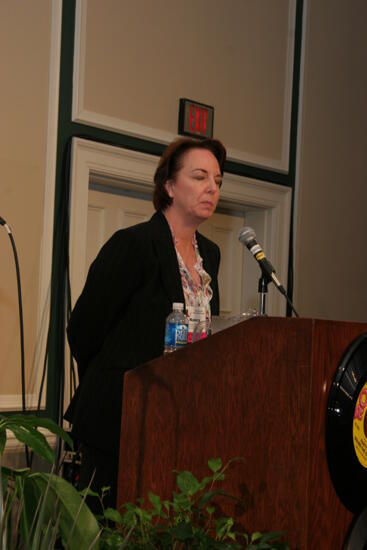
196, 295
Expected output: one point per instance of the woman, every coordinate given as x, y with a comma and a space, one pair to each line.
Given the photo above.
118, 321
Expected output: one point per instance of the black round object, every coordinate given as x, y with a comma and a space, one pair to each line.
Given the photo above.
346, 436
357, 535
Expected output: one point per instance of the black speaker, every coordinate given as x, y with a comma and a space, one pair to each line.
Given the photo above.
346, 427
357, 535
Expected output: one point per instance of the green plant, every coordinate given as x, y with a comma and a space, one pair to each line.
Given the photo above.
187, 521
40, 510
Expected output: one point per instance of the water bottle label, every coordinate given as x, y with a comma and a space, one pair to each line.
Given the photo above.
176, 335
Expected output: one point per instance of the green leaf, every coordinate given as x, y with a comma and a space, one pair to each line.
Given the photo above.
272, 536
207, 497
113, 515
204, 482
129, 517
259, 546
2, 441
32, 501
48, 537
245, 536
270, 541
112, 540
181, 501
143, 516
183, 531
105, 490
210, 510
77, 523
215, 464
223, 526
4, 483
14, 472
156, 501
87, 491
39, 422
167, 505
188, 483
34, 440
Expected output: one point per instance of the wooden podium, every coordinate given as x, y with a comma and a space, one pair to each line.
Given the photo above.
257, 390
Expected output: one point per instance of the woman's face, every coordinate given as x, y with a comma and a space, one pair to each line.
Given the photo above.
195, 188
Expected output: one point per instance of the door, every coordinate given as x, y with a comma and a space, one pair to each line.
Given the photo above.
108, 212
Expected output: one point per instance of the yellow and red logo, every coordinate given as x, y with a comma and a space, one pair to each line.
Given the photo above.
360, 427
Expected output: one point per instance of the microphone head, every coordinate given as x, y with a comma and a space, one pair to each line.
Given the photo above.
246, 235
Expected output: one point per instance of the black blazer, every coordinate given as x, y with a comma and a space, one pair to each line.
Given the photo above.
118, 321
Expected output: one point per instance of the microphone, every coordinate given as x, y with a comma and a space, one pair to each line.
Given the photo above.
247, 237
3, 222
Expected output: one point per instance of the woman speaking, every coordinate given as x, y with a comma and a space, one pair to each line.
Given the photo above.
118, 321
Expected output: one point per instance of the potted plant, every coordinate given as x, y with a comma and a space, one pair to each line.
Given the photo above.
44, 511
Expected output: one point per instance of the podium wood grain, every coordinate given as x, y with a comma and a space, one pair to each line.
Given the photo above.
257, 390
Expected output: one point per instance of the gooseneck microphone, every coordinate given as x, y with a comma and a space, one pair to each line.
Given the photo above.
21, 327
247, 236
3, 222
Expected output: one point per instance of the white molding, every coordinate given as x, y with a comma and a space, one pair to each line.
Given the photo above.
261, 162
14, 452
134, 170
99, 120
79, 57
14, 402
13, 445
123, 126
49, 197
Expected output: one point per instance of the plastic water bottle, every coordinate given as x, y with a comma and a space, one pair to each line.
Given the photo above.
176, 329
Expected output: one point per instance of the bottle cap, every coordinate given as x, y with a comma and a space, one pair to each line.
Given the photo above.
177, 305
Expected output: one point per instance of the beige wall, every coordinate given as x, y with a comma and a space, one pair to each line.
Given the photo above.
24, 57
233, 55
136, 78
331, 259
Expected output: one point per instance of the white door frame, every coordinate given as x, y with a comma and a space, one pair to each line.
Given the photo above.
267, 207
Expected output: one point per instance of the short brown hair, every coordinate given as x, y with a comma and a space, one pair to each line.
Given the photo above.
170, 163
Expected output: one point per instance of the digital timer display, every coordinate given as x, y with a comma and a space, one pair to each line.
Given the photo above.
195, 119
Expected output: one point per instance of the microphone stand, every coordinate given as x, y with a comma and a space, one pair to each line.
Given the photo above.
264, 280
263, 290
